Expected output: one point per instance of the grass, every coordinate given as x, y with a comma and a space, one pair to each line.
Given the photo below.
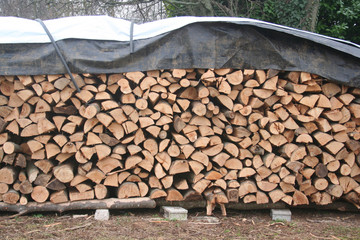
279, 221
31, 226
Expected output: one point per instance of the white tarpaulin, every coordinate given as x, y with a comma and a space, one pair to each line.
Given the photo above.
20, 30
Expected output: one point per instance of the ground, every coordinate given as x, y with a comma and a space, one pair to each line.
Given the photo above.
149, 224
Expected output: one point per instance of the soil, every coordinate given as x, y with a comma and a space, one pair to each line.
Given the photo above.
149, 224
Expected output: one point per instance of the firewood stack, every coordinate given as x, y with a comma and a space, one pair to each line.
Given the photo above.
237, 135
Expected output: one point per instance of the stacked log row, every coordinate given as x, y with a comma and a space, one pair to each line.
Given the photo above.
240, 135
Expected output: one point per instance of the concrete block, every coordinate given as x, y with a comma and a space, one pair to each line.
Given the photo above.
206, 219
102, 214
281, 214
175, 213
80, 215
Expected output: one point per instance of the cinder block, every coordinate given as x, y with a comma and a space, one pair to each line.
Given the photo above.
206, 219
175, 213
80, 215
281, 214
102, 214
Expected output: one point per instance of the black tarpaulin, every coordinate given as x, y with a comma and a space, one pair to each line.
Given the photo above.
201, 43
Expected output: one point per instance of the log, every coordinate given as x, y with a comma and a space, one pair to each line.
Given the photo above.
143, 188
55, 185
102, 151
95, 175
157, 193
179, 166
110, 203
276, 195
90, 111
100, 191
44, 165
64, 172
299, 198
40, 194
347, 184
78, 196
199, 108
173, 195
321, 184
247, 187
10, 147
321, 170
23, 200
42, 179
3, 188
26, 187
128, 190
335, 190
11, 197
261, 198
59, 197
8, 175
9, 159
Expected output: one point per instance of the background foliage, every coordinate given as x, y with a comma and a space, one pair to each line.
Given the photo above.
134, 10
340, 18
336, 18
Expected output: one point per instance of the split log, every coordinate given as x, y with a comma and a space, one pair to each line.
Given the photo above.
59, 197
11, 197
127, 190
78, 196
174, 195
100, 191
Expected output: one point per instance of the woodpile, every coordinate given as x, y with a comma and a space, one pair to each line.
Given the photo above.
184, 134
